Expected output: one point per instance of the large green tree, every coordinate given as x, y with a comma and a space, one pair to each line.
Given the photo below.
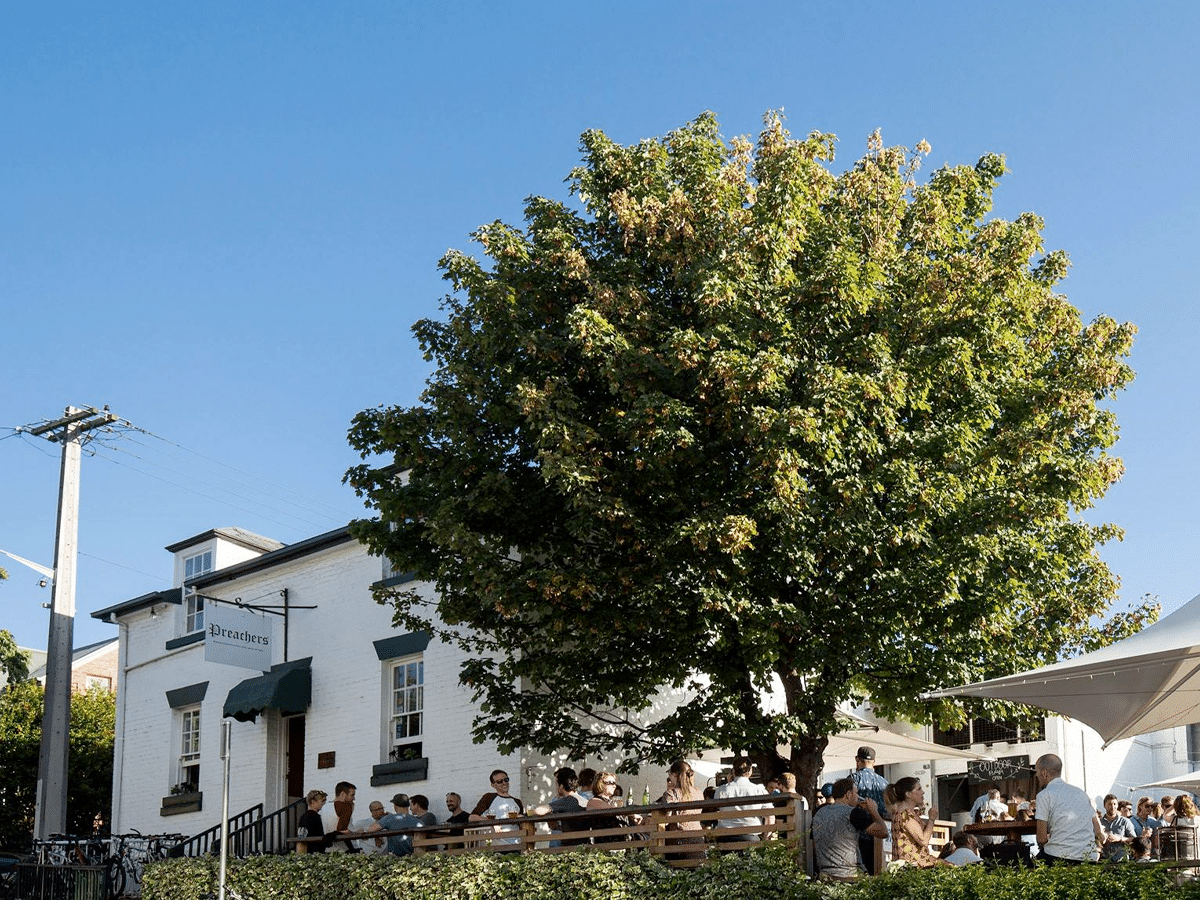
14, 662
731, 422
89, 791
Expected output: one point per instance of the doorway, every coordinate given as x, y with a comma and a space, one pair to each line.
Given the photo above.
294, 761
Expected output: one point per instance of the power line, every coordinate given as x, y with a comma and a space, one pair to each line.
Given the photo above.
209, 484
120, 565
191, 490
225, 465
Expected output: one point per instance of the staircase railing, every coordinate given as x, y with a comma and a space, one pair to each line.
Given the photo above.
268, 834
209, 841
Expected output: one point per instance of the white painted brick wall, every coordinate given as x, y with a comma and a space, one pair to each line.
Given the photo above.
346, 716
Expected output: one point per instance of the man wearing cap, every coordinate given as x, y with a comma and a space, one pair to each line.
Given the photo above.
398, 844
870, 786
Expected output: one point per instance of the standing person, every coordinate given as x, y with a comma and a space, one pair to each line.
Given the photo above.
418, 805
836, 828
498, 804
1185, 812
587, 777
910, 830
681, 788
566, 800
339, 818
398, 844
370, 845
310, 824
1146, 823
870, 785
1168, 809
1068, 828
741, 786
458, 817
1118, 831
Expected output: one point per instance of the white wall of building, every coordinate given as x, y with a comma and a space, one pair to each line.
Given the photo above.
348, 715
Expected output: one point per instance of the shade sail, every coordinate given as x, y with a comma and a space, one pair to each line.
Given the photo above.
1145, 683
1189, 781
889, 746
287, 688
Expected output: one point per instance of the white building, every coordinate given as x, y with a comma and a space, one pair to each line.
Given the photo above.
347, 697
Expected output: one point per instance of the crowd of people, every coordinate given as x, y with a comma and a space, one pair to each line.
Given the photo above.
575, 792
1069, 830
852, 814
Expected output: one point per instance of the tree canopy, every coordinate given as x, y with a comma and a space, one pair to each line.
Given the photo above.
89, 791
732, 422
14, 662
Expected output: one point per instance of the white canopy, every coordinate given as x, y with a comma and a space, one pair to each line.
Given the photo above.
1144, 683
889, 746
1189, 782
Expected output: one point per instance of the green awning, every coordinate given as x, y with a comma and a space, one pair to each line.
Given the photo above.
287, 688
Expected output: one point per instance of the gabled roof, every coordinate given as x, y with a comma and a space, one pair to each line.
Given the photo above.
78, 655
283, 553
276, 557
109, 613
236, 535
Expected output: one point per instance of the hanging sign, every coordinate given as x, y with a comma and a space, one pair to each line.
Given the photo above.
236, 637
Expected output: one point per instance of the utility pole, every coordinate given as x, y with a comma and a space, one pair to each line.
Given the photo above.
50, 814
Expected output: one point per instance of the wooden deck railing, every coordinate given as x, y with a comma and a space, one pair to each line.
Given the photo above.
603, 830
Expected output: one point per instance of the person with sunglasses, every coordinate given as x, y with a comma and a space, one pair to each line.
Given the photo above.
498, 804
604, 796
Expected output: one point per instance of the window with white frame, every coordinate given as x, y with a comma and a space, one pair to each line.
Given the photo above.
189, 748
193, 604
407, 707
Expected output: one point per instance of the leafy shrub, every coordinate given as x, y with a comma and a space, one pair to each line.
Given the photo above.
771, 874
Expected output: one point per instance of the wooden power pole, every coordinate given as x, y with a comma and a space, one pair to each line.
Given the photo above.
50, 814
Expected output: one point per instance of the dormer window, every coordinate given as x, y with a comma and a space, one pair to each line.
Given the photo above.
194, 566
193, 605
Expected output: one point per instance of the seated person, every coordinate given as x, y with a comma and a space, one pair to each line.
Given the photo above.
965, 850
398, 844
566, 799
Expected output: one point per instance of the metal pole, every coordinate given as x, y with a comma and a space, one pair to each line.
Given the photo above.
226, 739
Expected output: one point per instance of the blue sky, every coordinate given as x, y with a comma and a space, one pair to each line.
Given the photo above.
221, 220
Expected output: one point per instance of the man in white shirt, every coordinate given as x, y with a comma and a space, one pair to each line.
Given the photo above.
371, 845
1068, 828
742, 786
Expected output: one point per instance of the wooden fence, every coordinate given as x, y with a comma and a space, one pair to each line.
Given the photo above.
656, 829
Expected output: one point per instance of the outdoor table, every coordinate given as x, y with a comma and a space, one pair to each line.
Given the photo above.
1009, 829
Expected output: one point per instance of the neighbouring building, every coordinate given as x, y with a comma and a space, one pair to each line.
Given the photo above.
94, 665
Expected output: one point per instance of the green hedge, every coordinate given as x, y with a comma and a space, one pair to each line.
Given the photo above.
767, 875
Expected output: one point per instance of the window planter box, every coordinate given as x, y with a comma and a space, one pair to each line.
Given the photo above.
177, 804
400, 772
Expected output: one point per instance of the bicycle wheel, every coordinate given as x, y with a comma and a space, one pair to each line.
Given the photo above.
115, 874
